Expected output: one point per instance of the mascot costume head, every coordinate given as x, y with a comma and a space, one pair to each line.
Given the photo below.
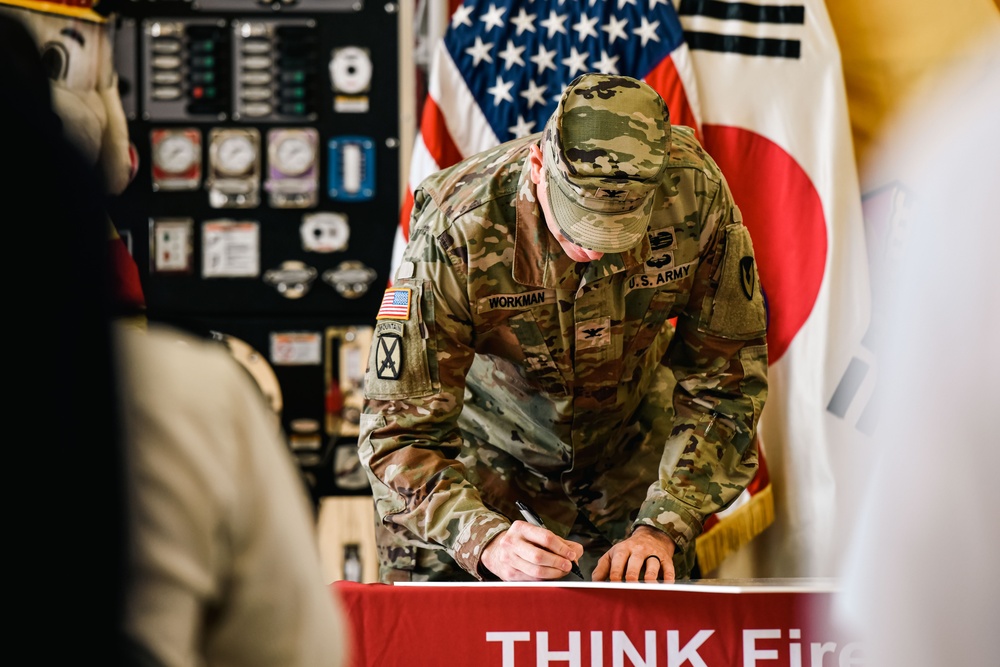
75, 40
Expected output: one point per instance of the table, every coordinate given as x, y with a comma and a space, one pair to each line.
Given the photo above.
710, 623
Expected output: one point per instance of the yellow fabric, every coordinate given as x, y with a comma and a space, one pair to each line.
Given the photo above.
888, 46
735, 530
80, 9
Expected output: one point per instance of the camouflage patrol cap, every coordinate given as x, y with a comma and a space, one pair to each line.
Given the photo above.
605, 149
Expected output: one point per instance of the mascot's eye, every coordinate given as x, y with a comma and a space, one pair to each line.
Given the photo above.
55, 59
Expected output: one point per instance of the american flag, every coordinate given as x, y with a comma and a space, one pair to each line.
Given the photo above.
501, 67
395, 304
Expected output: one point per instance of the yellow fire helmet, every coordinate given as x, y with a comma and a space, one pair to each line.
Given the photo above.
86, 10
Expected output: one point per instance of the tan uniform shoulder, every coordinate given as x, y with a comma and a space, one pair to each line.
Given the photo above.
476, 180
686, 152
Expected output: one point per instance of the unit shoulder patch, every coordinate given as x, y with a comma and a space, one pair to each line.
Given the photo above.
737, 309
388, 356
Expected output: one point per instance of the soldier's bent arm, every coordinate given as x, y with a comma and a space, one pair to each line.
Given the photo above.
719, 358
409, 435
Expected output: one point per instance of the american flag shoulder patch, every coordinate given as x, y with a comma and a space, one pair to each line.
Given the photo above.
395, 304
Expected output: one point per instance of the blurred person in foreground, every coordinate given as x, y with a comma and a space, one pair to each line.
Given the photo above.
921, 586
224, 561
170, 527
525, 353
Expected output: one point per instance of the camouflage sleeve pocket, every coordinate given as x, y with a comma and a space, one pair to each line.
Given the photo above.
386, 500
398, 366
737, 308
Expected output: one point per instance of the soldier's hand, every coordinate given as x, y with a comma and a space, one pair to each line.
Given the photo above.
530, 553
646, 555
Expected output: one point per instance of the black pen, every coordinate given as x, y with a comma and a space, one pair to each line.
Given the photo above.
534, 520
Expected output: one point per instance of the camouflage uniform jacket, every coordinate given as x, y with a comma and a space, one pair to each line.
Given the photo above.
500, 338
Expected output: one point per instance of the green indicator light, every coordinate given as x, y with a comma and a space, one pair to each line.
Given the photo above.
294, 108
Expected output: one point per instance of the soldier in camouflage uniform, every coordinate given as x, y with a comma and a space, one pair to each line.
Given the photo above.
526, 352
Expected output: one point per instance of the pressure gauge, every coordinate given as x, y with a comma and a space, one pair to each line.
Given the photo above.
176, 158
233, 179
175, 153
293, 153
235, 154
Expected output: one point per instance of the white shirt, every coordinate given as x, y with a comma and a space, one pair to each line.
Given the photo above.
224, 553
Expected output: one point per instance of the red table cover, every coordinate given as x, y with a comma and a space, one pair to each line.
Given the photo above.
594, 625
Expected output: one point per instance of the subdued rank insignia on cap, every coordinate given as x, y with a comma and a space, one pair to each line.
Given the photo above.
389, 357
746, 277
607, 193
395, 304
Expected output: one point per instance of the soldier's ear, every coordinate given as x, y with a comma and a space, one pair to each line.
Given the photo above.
535, 163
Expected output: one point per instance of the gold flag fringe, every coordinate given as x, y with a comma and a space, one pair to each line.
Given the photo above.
735, 530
